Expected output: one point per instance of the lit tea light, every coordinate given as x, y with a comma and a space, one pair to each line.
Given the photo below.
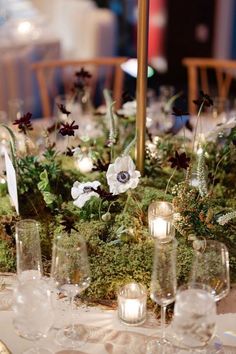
160, 221
132, 303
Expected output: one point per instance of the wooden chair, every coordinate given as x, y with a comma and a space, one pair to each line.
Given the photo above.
47, 73
198, 77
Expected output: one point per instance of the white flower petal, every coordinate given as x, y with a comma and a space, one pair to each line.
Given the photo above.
75, 192
78, 188
119, 165
83, 198
131, 165
95, 184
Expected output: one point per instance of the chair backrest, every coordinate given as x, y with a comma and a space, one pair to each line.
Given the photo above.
48, 72
198, 77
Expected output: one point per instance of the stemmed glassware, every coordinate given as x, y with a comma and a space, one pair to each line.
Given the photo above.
70, 271
163, 290
211, 267
194, 318
28, 250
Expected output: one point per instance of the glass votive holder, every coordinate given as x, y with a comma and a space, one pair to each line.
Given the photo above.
132, 304
160, 221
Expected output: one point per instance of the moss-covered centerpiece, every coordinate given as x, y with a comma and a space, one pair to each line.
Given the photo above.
106, 200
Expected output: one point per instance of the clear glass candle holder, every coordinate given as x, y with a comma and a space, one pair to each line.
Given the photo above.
160, 221
132, 304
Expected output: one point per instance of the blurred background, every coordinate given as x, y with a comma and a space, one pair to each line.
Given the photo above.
37, 30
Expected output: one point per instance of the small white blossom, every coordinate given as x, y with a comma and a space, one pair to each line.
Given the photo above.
82, 192
122, 175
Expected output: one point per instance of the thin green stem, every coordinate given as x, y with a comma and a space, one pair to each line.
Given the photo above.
110, 206
167, 186
220, 160
127, 202
100, 209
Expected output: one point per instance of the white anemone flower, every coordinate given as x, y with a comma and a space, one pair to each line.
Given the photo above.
82, 192
122, 175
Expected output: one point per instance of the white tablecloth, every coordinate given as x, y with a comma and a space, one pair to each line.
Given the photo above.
108, 335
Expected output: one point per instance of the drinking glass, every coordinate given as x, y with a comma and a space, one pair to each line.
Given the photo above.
28, 250
32, 312
70, 271
163, 290
211, 267
194, 318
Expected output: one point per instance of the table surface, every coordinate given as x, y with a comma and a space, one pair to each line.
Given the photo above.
107, 334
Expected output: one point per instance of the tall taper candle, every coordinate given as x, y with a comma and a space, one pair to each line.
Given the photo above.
142, 47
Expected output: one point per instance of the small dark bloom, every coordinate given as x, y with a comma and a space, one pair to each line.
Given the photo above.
84, 74
68, 223
204, 99
234, 141
82, 79
105, 195
101, 165
63, 109
179, 112
179, 161
24, 123
68, 129
70, 151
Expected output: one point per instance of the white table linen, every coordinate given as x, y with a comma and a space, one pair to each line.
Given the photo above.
108, 335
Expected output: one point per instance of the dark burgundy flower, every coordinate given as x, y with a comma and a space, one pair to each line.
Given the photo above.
68, 129
101, 165
179, 112
82, 79
84, 74
68, 223
63, 109
70, 151
104, 194
204, 100
24, 123
179, 161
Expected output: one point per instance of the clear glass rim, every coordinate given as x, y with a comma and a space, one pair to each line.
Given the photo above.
142, 288
29, 223
157, 206
210, 243
195, 285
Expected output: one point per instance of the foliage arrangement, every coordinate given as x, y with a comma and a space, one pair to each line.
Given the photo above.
108, 203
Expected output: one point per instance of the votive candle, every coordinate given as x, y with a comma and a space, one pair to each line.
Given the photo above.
160, 221
132, 303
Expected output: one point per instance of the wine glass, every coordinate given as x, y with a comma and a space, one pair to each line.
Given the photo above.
32, 312
28, 250
70, 271
211, 267
194, 318
163, 290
